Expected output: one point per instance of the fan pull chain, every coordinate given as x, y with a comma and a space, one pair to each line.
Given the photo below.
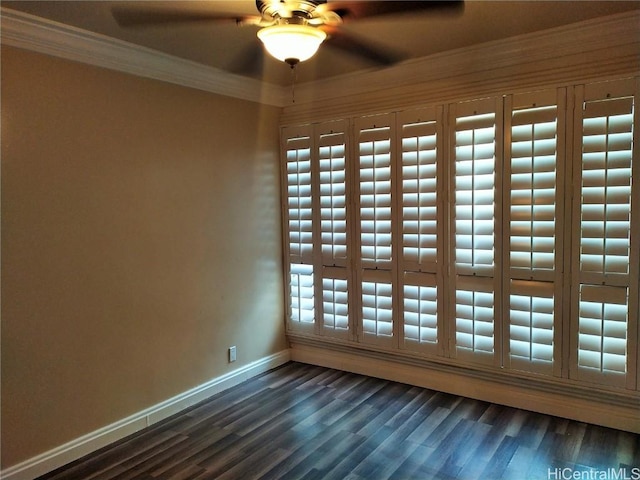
294, 76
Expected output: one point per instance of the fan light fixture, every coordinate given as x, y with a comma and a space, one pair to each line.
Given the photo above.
291, 43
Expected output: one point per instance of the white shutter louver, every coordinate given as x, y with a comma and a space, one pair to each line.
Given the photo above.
335, 306
531, 325
377, 307
297, 146
333, 184
333, 203
376, 284
420, 139
495, 232
475, 314
602, 342
534, 207
474, 184
419, 195
375, 196
533, 188
606, 295
299, 198
606, 186
475, 181
301, 284
420, 311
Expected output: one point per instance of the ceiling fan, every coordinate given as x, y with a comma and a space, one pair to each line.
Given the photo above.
293, 30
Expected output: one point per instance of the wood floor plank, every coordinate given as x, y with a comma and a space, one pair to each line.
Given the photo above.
188, 453
313, 453
498, 463
416, 399
417, 453
301, 448
356, 456
627, 448
306, 422
188, 472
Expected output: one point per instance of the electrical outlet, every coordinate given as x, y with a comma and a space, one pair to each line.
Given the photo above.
232, 354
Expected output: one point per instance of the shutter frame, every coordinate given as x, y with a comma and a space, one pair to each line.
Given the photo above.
604, 364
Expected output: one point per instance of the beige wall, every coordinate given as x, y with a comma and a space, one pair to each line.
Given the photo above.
140, 239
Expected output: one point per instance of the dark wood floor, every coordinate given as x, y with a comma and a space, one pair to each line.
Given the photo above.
304, 422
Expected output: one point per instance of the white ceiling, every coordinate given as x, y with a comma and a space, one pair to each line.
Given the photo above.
230, 47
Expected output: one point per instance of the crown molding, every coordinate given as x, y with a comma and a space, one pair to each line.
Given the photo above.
594, 48
40, 35
598, 48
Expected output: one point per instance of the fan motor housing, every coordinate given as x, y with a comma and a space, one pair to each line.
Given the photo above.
276, 9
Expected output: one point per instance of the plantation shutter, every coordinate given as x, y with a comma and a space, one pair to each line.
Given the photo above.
476, 143
531, 326
475, 318
607, 270
533, 281
606, 187
374, 137
420, 312
533, 189
377, 307
333, 193
499, 235
419, 177
603, 329
335, 305
301, 294
297, 144
419, 195
333, 184
299, 198
375, 196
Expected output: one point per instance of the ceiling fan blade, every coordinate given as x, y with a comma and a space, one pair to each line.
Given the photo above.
250, 62
144, 17
357, 9
349, 43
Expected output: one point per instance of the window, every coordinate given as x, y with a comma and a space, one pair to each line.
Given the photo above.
333, 198
377, 309
374, 136
299, 200
476, 148
374, 153
332, 179
422, 223
335, 305
607, 267
301, 292
420, 310
419, 195
498, 233
533, 217
532, 325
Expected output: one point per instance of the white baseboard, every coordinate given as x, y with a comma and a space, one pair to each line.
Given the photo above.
558, 403
71, 451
